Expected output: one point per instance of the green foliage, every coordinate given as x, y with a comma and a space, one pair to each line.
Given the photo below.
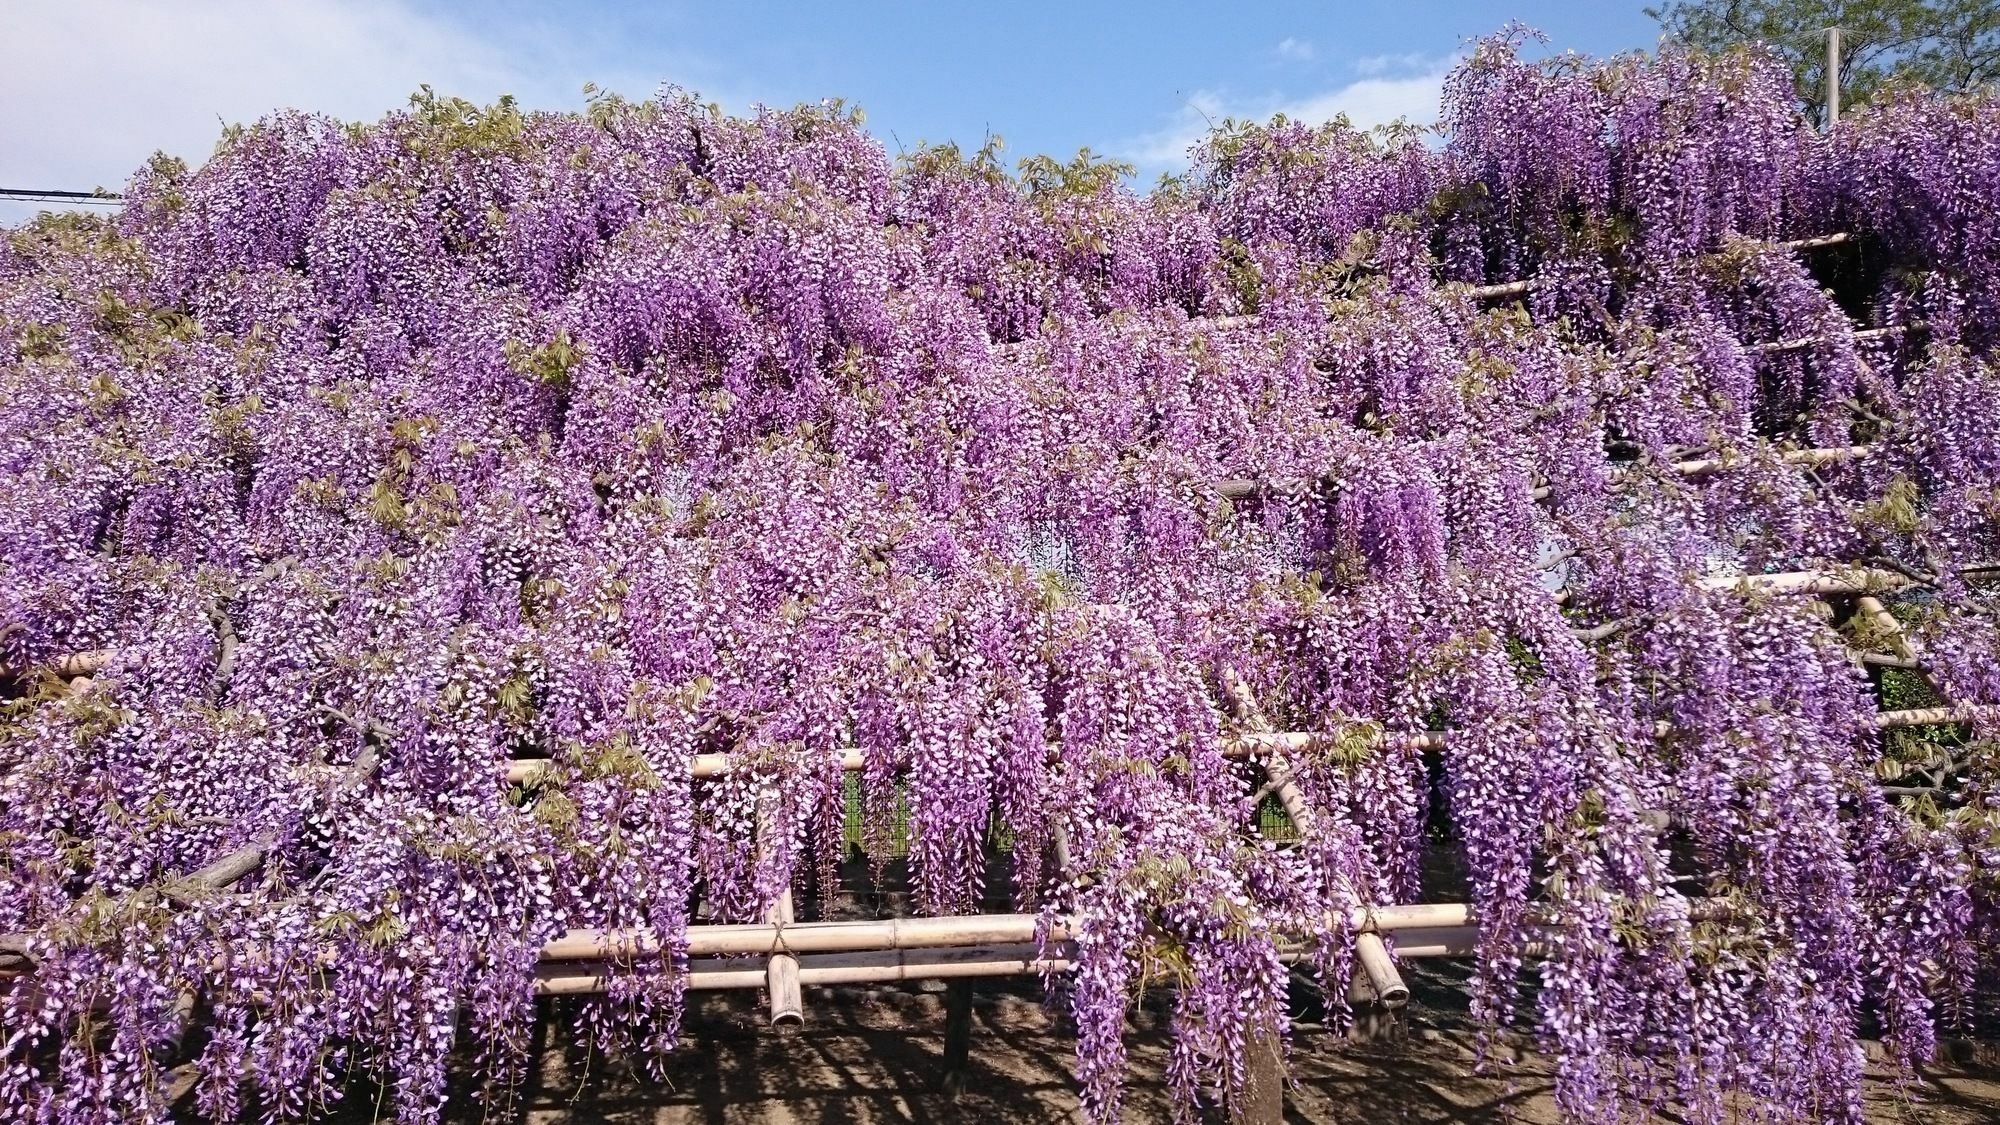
1526, 660
393, 499
1897, 510
948, 161
551, 364
826, 118
456, 125
1348, 746
1087, 174
607, 109
1949, 45
1242, 275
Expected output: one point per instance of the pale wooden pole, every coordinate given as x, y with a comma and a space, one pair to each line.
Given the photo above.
781, 970
1832, 76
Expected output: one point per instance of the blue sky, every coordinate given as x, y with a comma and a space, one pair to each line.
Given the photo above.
89, 88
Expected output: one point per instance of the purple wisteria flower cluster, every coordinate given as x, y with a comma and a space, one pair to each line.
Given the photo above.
366, 459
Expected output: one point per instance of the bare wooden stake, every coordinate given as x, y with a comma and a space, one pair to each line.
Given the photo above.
1262, 1099
782, 972
957, 1034
1380, 970
1369, 950
781, 969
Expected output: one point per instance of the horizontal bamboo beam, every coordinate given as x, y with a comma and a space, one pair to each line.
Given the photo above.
1519, 288
1818, 243
1937, 716
889, 965
874, 966
1498, 290
763, 939
86, 663
1851, 580
1475, 292
528, 771
886, 966
1809, 458
1237, 489
802, 938
1861, 336
1694, 468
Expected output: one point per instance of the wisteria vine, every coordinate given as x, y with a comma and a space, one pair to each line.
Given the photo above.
366, 459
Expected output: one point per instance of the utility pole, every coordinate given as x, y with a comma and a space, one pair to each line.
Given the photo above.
1832, 76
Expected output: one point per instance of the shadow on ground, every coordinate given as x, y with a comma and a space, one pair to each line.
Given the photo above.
876, 1055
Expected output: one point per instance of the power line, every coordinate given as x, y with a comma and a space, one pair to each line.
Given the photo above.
41, 195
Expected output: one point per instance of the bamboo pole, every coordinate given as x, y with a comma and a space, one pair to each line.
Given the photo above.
751, 939
782, 972
782, 969
1373, 956
86, 663
1237, 489
1500, 289
1861, 336
529, 771
893, 965
83, 663
523, 771
1519, 288
220, 874
1824, 240
1937, 716
1871, 607
1809, 458
867, 966
763, 939
1476, 292
1380, 969
1847, 580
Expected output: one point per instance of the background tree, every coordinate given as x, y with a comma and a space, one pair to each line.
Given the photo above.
1951, 45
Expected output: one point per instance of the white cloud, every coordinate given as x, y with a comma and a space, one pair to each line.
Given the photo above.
1392, 88
90, 88
1295, 50
1371, 65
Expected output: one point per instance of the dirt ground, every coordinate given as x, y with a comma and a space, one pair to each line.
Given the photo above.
869, 1056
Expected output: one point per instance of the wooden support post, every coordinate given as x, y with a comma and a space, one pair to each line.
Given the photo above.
1380, 971
782, 972
1262, 1099
957, 1034
1375, 962
1878, 615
